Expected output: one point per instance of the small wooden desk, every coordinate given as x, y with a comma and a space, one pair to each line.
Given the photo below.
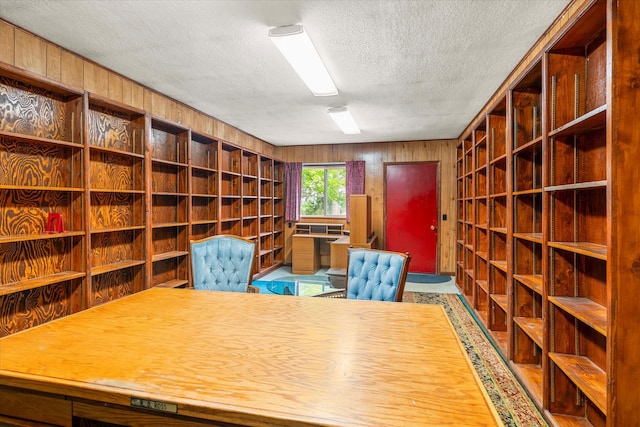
200, 357
340, 249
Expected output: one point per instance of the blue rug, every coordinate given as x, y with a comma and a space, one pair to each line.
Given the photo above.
427, 278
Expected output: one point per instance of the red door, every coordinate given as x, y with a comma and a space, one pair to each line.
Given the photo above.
411, 207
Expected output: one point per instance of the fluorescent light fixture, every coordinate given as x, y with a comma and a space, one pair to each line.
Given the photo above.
296, 46
344, 120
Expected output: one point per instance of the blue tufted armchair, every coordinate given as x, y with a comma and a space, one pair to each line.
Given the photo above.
374, 275
223, 263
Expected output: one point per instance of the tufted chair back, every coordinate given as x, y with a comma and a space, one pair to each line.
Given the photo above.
222, 263
376, 275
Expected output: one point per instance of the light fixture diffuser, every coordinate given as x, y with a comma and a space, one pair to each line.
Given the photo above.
296, 46
344, 120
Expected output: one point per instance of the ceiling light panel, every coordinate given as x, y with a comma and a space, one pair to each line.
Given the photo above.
343, 118
296, 46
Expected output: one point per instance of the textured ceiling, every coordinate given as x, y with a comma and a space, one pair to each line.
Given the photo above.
407, 70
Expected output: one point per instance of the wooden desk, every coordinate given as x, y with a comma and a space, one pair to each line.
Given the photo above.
245, 359
340, 248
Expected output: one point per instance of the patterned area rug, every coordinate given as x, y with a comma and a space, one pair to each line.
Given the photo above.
511, 401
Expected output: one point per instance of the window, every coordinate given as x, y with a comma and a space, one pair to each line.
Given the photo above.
324, 190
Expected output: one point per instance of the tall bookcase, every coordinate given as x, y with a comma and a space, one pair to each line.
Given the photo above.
465, 200
230, 189
497, 208
41, 173
252, 201
479, 221
169, 238
203, 186
278, 212
250, 198
525, 233
125, 191
562, 219
266, 212
575, 187
117, 213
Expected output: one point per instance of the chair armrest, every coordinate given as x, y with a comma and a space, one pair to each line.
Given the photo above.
253, 290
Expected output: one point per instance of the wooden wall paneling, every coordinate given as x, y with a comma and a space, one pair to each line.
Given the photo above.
115, 90
7, 43
187, 116
71, 69
157, 104
127, 92
342, 151
137, 96
222, 130
202, 123
96, 79
54, 62
375, 180
30, 52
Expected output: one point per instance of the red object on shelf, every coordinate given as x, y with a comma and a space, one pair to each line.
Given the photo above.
54, 223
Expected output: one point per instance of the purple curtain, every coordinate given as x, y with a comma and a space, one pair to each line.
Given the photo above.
293, 191
355, 180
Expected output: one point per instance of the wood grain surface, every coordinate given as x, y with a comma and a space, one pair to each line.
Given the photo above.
258, 359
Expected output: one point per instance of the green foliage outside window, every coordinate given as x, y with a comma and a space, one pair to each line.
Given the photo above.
323, 191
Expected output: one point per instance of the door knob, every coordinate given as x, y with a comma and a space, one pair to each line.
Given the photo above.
433, 228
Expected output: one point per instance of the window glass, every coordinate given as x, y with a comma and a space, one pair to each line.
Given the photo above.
323, 190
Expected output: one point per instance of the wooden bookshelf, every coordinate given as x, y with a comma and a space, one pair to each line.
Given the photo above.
481, 298
466, 260
42, 173
230, 158
525, 236
168, 144
266, 239
203, 186
132, 189
116, 200
561, 219
497, 251
576, 186
278, 212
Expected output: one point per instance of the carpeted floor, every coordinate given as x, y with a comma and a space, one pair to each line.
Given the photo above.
511, 401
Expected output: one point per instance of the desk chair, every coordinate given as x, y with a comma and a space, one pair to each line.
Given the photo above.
374, 275
223, 263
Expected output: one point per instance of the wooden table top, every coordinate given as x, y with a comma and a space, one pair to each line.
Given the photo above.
258, 360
